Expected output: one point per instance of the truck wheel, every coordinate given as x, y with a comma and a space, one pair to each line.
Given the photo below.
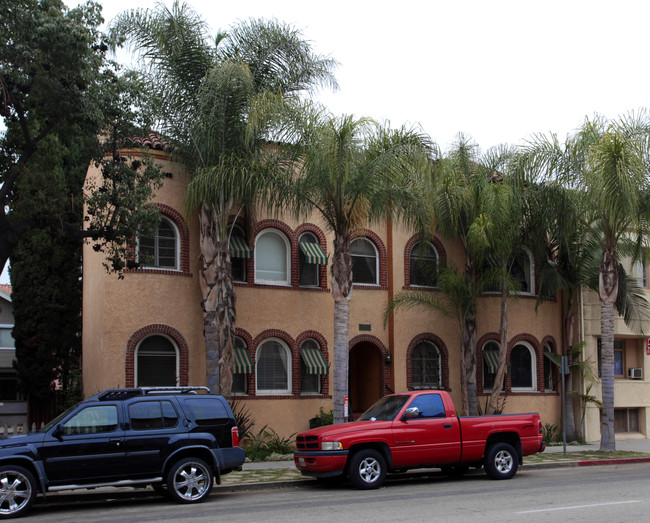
189, 480
17, 491
367, 469
501, 461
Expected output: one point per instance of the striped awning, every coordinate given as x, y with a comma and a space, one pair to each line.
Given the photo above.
491, 357
314, 253
243, 362
239, 248
314, 361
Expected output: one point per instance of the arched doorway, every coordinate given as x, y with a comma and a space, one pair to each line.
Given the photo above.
365, 375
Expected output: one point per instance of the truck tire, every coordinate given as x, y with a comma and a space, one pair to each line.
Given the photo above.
189, 480
17, 491
367, 469
501, 461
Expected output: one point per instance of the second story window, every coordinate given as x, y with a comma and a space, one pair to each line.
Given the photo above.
424, 265
365, 262
161, 250
272, 258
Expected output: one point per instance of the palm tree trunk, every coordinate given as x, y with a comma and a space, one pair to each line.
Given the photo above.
218, 303
569, 320
608, 291
341, 289
503, 350
468, 364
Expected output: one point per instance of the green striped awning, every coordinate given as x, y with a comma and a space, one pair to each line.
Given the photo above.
314, 361
314, 253
491, 357
243, 362
239, 248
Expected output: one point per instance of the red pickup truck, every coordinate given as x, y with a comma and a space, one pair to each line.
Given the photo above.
414, 430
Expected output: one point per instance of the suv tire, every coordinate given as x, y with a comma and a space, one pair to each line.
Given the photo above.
17, 491
189, 480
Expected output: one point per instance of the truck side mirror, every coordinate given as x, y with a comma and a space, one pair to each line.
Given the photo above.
411, 412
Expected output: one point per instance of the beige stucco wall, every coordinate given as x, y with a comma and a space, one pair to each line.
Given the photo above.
115, 309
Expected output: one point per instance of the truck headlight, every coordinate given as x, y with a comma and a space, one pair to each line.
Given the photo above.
331, 445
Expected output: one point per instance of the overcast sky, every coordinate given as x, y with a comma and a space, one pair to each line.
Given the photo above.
497, 71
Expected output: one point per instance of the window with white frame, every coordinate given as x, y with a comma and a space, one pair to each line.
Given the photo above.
424, 265
522, 269
273, 368
365, 262
156, 362
8, 375
425, 361
272, 258
640, 274
524, 366
162, 249
309, 272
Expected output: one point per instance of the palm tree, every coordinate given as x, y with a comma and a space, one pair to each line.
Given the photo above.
608, 162
204, 91
349, 171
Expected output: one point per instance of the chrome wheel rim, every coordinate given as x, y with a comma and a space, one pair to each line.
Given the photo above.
503, 461
369, 470
192, 481
15, 492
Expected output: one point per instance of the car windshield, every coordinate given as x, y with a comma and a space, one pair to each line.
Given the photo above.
384, 409
57, 420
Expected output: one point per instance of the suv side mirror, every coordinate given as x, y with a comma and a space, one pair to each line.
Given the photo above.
58, 432
411, 412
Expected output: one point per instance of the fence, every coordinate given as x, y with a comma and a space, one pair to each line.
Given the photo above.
18, 428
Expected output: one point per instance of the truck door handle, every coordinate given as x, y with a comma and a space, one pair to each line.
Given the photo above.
446, 426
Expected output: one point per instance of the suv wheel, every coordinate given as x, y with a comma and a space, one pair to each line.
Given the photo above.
17, 491
189, 480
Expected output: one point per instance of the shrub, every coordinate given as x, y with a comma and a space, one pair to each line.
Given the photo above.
548, 432
266, 442
243, 417
322, 418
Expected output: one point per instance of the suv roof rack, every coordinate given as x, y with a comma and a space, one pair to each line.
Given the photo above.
123, 394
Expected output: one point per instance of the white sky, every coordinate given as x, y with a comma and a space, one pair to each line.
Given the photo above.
496, 70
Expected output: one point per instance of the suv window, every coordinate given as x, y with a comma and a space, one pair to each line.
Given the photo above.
207, 411
92, 420
146, 415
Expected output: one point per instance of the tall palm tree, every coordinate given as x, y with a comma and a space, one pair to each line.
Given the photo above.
204, 90
608, 162
349, 171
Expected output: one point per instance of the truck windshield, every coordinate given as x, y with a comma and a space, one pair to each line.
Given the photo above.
384, 409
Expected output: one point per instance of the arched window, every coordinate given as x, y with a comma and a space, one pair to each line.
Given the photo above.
309, 272
272, 258
161, 250
523, 363
312, 367
548, 369
425, 361
273, 368
365, 262
522, 269
242, 367
425, 265
490, 364
239, 254
157, 363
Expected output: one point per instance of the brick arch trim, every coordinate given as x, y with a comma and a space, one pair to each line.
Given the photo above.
412, 241
444, 358
151, 330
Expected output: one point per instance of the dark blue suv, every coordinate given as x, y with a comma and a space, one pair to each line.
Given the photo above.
176, 439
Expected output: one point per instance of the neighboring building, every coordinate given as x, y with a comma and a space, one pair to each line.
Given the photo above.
631, 352
13, 408
146, 329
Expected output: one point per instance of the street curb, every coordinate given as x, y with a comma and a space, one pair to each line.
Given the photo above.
424, 474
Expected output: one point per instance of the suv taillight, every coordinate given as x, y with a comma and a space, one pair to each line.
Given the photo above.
235, 436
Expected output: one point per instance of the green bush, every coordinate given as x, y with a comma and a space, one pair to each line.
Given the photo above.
548, 432
322, 418
266, 442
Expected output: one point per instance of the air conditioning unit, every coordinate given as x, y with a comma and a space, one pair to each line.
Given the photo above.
635, 373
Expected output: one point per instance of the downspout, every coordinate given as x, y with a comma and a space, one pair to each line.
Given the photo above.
391, 293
